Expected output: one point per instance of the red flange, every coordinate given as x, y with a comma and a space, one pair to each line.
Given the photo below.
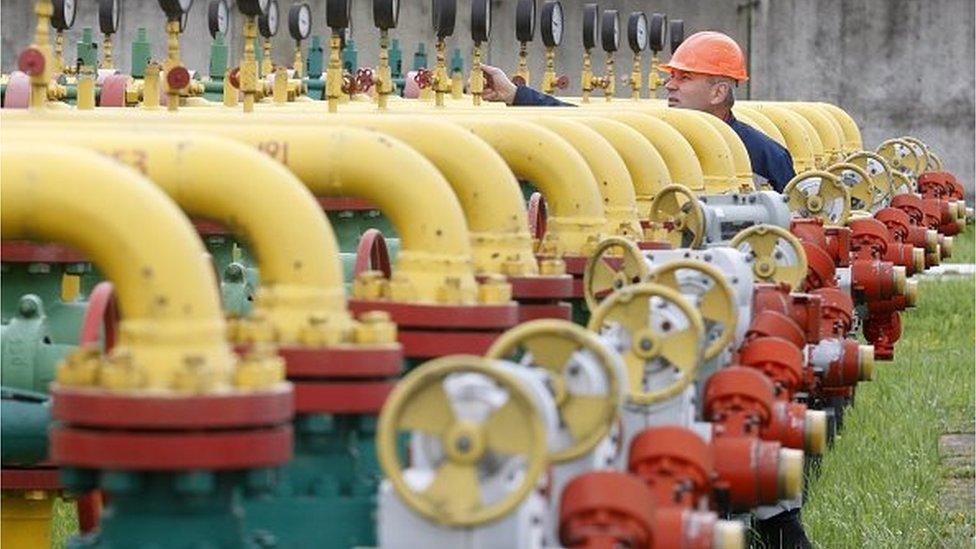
935, 184
738, 401
372, 254
206, 227
911, 205
434, 343
342, 361
869, 238
883, 331
804, 309
364, 397
675, 463
788, 425
836, 312
897, 222
780, 360
903, 255
446, 317
31, 61
23, 251
177, 78
820, 268
37, 478
541, 287
533, 311
340, 203
537, 216
748, 468
845, 371
605, 509
776, 324
872, 280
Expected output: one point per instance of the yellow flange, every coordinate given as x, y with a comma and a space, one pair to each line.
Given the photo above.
419, 402
777, 255
858, 183
552, 344
821, 194
901, 156
716, 300
664, 333
879, 173
601, 277
676, 217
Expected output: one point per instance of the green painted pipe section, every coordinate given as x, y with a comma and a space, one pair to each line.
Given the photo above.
24, 419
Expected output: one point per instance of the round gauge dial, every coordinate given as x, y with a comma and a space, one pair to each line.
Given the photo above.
64, 14
480, 20
610, 31
175, 9
218, 17
184, 21
676, 31
657, 30
337, 13
442, 13
109, 12
253, 8
591, 25
300, 21
525, 20
637, 31
386, 14
268, 23
552, 24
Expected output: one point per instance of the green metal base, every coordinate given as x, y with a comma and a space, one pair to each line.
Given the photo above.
24, 419
44, 281
28, 354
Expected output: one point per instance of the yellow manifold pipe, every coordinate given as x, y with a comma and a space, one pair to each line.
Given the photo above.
762, 123
172, 333
710, 148
608, 168
777, 113
740, 155
683, 166
852, 134
825, 126
26, 518
254, 197
795, 134
533, 153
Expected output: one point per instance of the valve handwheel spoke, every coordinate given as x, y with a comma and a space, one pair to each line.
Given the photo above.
716, 299
587, 411
662, 327
858, 183
615, 263
901, 156
422, 401
879, 173
777, 255
819, 194
677, 217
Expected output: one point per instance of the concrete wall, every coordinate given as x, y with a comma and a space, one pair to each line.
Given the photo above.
898, 66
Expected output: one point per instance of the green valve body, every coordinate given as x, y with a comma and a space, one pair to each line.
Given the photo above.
396, 59
87, 50
141, 53
350, 57
43, 280
218, 58
457, 62
315, 58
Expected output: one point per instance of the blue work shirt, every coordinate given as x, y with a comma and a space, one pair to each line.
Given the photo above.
771, 162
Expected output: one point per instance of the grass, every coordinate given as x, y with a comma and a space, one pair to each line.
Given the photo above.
880, 484
964, 247
65, 523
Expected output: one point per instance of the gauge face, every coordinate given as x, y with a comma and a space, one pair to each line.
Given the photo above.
610, 31
184, 19
273, 17
637, 32
304, 20
590, 25
480, 20
525, 20
222, 17
552, 24
64, 14
218, 18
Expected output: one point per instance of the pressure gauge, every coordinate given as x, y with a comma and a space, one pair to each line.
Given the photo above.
610, 31
386, 13
676, 30
552, 24
108, 16
442, 14
64, 14
268, 23
218, 17
480, 20
337, 14
175, 9
525, 20
253, 8
657, 30
300, 21
637, 31
184, 21
590, 25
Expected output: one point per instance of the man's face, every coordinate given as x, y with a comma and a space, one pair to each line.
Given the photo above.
689, 90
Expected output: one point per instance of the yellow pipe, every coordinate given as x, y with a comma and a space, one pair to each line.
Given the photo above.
609, 170
762, 123
797, 140
825, 126
536, 154
740, 155
683, 165
852, 134
26, 519
710, 148
820, 158
171, 337
257, 199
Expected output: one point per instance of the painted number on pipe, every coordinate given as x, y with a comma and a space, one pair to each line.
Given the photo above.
275, 149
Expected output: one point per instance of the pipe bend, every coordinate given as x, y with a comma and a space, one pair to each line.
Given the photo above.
826, 128
683, 165
172, 334
852, 133
709, 145
536, 154
797, 140
740, 155
255, 198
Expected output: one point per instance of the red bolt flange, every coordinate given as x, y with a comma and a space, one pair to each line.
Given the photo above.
738, 401
820, 268
883, 331
803, 308
675, 464
897, 222
869, 238
780, 360
795, 426
606, 509
755, 472
836, 311
776, 324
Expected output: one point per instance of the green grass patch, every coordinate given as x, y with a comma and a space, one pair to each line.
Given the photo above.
881, 482
964, 246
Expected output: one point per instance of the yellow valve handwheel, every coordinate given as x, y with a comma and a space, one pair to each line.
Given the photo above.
616, 262
661, 326
880, 173
858, 184
902, 183
552, 343
816, 193
419, 403
777, 255
922, 151
716, 304
935, 163
901, 156
677, 217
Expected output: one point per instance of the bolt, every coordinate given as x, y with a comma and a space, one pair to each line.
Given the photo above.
646, 344
29, 306
463, 444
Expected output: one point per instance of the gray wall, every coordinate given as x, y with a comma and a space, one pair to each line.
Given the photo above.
898, 66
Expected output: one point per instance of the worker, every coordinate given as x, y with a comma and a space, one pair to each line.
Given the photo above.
704, 73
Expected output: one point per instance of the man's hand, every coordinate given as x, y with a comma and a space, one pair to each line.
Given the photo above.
498, 87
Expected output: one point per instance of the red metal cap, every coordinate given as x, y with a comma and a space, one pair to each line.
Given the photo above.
31, 61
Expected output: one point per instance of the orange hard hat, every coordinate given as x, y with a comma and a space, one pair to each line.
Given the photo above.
709, 52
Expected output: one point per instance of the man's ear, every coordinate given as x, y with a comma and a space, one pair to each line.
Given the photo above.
719, 92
